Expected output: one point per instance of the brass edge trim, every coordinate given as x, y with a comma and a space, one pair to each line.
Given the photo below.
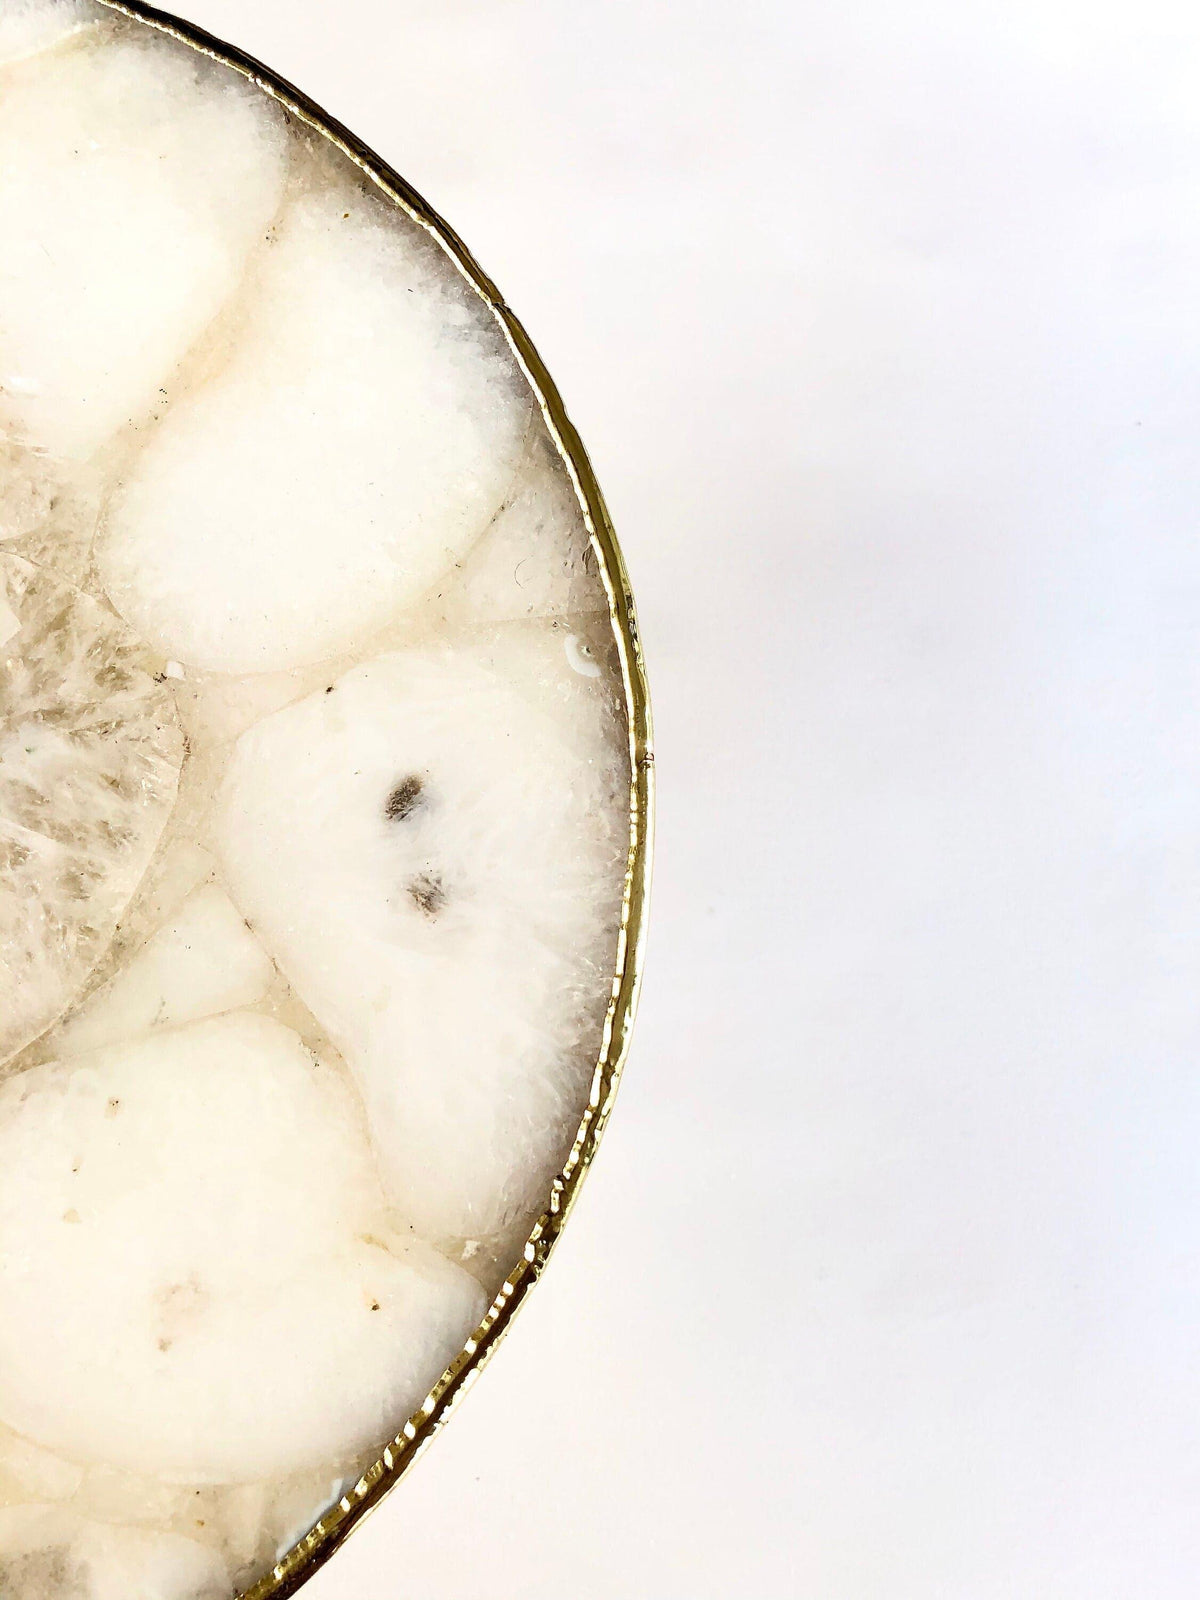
320, 1543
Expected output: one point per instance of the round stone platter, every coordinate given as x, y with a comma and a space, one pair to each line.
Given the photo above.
325, 785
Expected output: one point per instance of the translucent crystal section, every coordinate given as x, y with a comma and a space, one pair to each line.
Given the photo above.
90, 752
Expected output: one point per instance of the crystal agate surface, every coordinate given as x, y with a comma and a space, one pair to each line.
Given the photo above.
313, 815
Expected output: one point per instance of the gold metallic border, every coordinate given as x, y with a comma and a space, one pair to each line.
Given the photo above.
316, 1547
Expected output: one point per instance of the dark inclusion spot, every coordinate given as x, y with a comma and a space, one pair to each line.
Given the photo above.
404, 798
427, 893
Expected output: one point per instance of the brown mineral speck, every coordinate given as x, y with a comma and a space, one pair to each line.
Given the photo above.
404, 798
428, 893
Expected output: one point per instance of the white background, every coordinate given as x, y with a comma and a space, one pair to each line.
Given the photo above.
881, 324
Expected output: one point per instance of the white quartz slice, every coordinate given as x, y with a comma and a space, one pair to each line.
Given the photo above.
361, 437
314, 814
29, 26
90, 753
432, 854
28, 1472
204, 961
50, 1553
535, 559
194, 1282
134, 180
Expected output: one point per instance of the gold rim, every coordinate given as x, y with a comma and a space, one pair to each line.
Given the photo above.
316, 1547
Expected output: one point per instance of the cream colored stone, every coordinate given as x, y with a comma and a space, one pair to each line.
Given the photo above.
182, 1210
462, 840
204, 961
313, 815
48, 1552
368, 425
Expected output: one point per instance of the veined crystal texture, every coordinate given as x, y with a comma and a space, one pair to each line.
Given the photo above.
323, 787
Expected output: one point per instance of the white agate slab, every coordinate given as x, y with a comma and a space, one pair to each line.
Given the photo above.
135, 177
314, 815
180, 1212
462, 849
202, 962
48, 1550
535, 559
368, 425
28, 27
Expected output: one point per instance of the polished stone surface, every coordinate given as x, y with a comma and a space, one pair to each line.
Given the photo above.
314, 814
